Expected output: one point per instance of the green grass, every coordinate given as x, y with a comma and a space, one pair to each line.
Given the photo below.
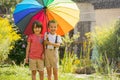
14, 73
22, 73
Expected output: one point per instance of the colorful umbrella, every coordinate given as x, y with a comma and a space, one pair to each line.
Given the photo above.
65, 12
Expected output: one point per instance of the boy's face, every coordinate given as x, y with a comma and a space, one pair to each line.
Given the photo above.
53, 27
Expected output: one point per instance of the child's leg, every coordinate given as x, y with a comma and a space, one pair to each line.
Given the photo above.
41, 74
32, 65
33, 74
55, 72
49, 73
40, 67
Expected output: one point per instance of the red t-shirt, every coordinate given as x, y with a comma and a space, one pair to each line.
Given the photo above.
36, 46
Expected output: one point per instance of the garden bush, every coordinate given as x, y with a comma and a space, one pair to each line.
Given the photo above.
107, 45
8, 36
17, 54
68, 60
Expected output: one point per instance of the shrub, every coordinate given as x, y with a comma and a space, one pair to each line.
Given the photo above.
106, 40
68, 62
18, 52
107, 43
7, 38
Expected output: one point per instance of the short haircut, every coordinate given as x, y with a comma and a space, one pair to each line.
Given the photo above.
38, 25
52, 21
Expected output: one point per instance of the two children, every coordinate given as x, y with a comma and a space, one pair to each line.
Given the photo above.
35, 50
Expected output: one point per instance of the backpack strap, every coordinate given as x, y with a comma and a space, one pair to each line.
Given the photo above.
47, 39
56, 40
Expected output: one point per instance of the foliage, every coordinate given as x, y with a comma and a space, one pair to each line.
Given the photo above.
70, 61
117, 33
106, 42
67, 40
14, 73
103, 65
85, 53
18, 52
8, 36
67, 63
84, 65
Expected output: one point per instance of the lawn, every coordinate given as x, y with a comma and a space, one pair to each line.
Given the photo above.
23, 73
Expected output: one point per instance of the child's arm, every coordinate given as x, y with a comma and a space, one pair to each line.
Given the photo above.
56, 44
27, 52
46, 41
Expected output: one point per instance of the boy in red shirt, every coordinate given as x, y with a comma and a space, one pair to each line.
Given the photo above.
34, 51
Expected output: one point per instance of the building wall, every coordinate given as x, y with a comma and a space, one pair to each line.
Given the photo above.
87, 19
86, 23
86, 12
87, 16
106, 16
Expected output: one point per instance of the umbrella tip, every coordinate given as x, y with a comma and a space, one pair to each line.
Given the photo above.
45, 7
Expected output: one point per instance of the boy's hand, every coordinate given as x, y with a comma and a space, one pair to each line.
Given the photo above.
49, 43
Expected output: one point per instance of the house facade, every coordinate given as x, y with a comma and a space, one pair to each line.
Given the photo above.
100, 11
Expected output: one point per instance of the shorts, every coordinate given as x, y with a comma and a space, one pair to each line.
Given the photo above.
36, 64
51, 58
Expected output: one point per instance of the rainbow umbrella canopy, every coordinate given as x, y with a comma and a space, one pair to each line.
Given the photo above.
65, 12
